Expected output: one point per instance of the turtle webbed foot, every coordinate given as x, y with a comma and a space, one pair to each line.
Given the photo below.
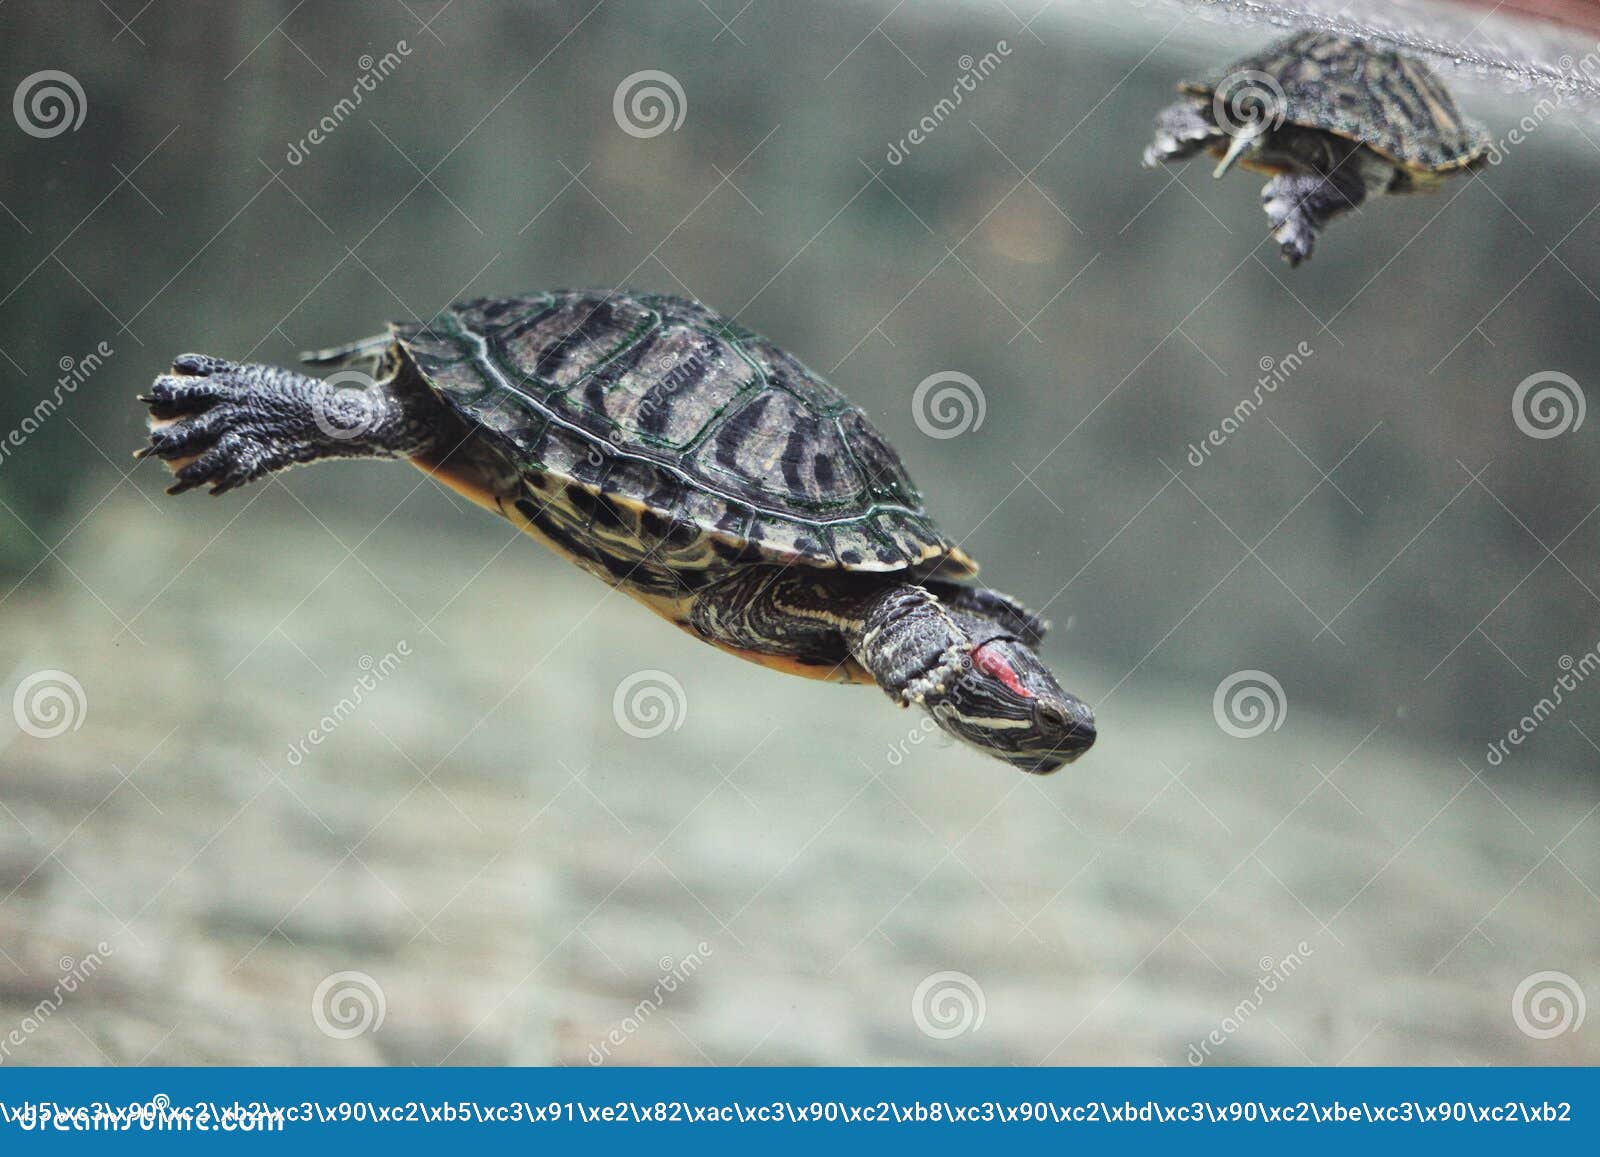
217, 423
1182, 130
1292, 227
1299, 205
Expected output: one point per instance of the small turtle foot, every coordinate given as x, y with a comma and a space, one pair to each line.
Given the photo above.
1296, 240
1182, 131
1299, 205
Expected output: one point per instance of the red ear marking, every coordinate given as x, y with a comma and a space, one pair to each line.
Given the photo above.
993, 664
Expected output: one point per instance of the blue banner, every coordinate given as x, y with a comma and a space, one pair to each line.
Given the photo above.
710, 1110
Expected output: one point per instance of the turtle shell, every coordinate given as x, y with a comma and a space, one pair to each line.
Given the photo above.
664, 431
1384, 99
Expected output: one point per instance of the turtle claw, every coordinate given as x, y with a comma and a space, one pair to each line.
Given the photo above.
175, 395
231, 459
184, 437
205, 425
200, 365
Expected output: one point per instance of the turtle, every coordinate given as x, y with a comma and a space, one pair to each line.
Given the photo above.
1333, 118
681, 458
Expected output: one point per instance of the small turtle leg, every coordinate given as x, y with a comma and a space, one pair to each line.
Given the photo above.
1182, 130
220, 424
1300, 205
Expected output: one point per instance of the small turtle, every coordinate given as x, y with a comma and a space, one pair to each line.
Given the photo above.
677, 456
1334, 119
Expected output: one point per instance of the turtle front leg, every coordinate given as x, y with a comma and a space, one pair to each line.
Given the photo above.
1182, 130
962, 655
1300, 205
214, 422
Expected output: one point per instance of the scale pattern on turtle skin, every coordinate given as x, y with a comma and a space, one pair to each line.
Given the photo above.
1388, 101
662, 442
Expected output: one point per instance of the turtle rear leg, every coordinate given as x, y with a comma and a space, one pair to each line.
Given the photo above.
1182, 130
220, 424
1300, 205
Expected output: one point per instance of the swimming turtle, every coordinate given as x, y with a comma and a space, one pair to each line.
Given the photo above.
677, 456
1333, 118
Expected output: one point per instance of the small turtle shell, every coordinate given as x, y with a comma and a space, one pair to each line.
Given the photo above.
703, 429
1388, 101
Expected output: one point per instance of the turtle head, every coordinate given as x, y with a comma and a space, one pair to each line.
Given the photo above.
967, 655
1005, 701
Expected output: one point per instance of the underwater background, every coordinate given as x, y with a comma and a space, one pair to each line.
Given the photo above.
340, 769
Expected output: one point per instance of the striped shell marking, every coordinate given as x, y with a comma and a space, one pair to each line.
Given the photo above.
1388, 101
660, 443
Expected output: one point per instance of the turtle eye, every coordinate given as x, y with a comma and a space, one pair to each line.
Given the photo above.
1050, 717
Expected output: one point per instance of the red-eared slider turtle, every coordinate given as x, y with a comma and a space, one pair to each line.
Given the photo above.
1334, 119
682, 459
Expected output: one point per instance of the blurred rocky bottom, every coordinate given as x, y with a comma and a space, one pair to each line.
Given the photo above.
328, 798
